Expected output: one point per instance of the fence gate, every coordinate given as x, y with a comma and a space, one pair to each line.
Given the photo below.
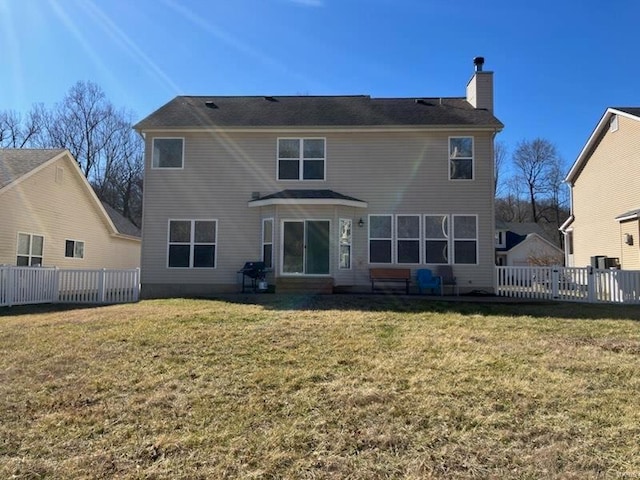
569, 284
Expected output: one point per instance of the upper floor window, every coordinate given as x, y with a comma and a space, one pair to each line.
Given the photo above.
301, 159
461, 158
30, 250
74, 249
167, 153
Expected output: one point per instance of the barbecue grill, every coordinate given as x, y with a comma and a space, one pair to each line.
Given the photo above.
255, 272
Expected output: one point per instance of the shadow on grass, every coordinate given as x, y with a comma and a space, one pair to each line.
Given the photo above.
41, 309
380, 302
489, 305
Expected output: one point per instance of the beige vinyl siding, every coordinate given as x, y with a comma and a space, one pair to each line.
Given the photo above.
61, 210
395, 172
629, 257
608, 186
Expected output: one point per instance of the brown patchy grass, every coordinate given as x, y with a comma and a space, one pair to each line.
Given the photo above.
340, 387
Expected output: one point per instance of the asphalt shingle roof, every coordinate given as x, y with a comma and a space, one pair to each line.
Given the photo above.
630, 110
123, 224
14, 163
315, 111
308, 194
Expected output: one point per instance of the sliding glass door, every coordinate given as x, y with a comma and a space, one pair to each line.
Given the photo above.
306, 247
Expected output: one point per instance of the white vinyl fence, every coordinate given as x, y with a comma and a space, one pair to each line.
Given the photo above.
29, 285
570, 284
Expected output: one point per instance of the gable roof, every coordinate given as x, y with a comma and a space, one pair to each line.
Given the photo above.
532, 237
17, 164
122, 223
315, 111
520, 228
596, 135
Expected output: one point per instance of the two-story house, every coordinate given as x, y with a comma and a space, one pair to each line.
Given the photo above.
605, 195
321, 188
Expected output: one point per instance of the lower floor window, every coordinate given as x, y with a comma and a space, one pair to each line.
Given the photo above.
192, 243
74, 249
345, 243
430, 239
465, 239
30, 250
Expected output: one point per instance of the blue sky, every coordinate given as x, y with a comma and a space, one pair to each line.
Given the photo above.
558, 64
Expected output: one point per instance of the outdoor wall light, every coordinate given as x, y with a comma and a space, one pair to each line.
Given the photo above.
628, 239
361, 223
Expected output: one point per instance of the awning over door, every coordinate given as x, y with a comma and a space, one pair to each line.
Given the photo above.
307, 197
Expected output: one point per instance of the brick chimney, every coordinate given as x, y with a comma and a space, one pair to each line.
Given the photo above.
480, 87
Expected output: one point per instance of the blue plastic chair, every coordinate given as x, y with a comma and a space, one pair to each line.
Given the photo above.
426, 280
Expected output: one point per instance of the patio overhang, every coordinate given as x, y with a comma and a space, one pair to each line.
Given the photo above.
307, 197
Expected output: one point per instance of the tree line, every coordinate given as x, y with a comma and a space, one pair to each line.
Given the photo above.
532, 190
99, 136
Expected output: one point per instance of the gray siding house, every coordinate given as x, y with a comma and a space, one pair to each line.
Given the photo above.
320, 188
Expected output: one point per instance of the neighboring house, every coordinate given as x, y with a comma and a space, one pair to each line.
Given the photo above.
50, 216
605, 194
525, 244
321, 188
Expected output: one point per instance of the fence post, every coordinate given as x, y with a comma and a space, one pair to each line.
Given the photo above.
591, 287
555, 282
101, 285
10, 286
136, 294
56, 285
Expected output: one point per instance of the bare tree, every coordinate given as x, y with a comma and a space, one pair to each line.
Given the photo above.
499, 160
533, 161
99, 136
16, 132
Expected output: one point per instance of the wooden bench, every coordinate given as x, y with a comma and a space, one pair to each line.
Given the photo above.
390, 275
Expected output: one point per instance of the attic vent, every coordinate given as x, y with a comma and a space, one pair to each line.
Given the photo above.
210, 104
270, 99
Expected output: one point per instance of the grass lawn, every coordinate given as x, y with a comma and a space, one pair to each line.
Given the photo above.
344, 387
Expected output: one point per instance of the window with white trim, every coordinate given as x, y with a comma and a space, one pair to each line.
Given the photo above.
344, 242
380, 238
465, 239
436, 235
461, 158
167, 153
408, 238
73, 249
301, 158
267, 242
30, 250
192, 243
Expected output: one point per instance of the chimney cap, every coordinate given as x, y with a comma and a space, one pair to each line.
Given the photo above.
478, 62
